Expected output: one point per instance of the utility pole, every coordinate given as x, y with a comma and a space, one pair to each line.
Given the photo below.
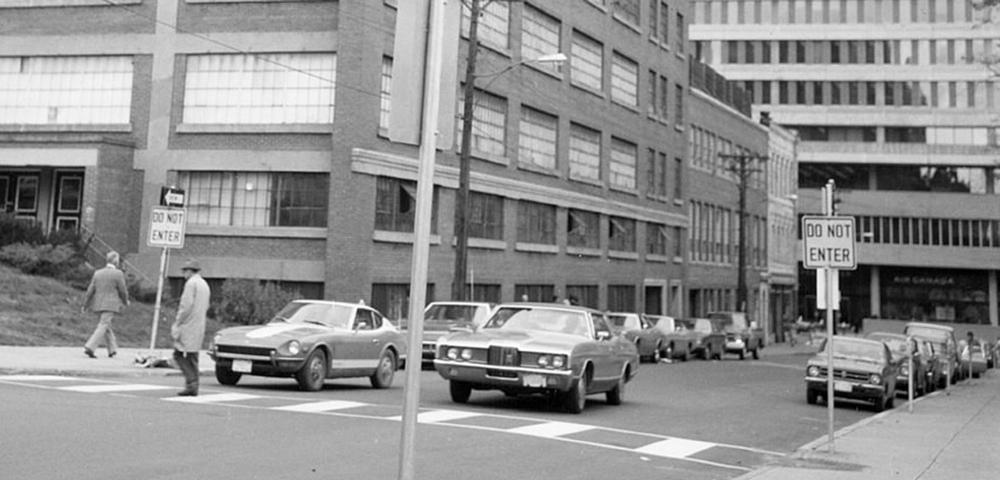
738, 164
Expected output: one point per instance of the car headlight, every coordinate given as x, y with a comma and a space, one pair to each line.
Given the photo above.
544, 360
875, 379
558, 361
467, 354
812, 371
453, 353
294, 347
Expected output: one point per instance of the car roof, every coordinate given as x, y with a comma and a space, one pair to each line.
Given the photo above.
931, 325
845, 338
895, 336
549, 305
459, 302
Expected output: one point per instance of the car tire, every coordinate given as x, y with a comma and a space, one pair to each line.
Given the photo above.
226, 376
616, 395
385, 371
658, 353
313, 372
812, 397
576, 398
460, 391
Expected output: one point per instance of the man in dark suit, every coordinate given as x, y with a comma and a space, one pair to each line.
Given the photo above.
105, 296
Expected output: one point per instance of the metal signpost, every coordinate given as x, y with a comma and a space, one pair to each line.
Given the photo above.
828, 245
166, 230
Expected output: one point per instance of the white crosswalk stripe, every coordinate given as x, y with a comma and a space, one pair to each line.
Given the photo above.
674, 448
37, 378
214, 398
317, 407
551, 429
107, 388
436, 416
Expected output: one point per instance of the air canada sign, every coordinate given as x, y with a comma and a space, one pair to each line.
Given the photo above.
828, 242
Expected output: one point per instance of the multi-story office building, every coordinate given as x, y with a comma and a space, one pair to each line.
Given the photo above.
782, 227
273, 117
890, 101
722, 134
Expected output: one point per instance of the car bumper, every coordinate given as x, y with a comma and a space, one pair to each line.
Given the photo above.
735, 345
845, 389
265, 366
505, 378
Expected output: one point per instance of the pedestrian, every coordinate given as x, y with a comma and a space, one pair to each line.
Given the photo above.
106, 295
188, 330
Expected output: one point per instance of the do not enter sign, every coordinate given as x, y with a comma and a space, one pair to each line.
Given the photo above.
828, 242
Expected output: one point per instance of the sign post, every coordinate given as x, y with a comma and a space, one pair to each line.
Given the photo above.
166, 230
828, 245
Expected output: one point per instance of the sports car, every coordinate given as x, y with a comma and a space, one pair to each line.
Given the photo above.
564, 351
312, 340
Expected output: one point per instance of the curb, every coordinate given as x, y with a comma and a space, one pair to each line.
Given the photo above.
138, 372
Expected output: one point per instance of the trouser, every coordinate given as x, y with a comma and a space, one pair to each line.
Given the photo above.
188, 363
104, 331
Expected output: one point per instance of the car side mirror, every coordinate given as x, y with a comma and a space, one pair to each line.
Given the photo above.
603, 335
361, 326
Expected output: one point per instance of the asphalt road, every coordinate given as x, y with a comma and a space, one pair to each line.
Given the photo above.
697, 420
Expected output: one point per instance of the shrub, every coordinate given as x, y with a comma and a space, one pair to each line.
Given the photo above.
44, 259
251, 302
22, 256
13, 230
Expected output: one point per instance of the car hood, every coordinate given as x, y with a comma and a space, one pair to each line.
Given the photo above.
520, 339
270, 335
847, 364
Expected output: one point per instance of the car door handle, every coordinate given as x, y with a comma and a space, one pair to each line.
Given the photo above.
374, 340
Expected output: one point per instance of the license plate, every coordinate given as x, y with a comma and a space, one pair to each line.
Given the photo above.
533, 380
242, 366
843, 386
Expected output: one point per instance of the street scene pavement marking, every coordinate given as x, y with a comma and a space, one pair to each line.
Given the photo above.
651, 444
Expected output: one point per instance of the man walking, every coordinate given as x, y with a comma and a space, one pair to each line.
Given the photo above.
188, 330
105, 296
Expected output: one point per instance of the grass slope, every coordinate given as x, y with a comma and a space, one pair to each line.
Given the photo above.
41, 311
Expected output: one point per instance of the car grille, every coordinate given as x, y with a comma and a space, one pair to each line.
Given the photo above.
504, 356
846, 375
500, 373
244, 350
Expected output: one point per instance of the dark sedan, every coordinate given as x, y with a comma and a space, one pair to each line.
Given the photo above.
862, 370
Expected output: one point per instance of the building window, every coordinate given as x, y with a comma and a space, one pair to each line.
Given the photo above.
539, 36
679, 105
664, 98
395, 205
624, 157
485, 216
536, 223
678, 179
65, 90
621, 234
256, 199
664, 24
494, 24
586, 62
621, 298
653, 108
26, 194
624, 80
679, 32
583, 295
385, 95
583, 229
584, 153
656, 239
534, 293
260, 88
678, 242
393, 300
627, 10
654, 20
537, 138
489, 123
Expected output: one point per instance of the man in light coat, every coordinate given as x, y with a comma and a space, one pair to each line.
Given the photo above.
188, 330
105, 296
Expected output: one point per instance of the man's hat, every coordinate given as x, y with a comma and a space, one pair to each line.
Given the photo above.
192, 265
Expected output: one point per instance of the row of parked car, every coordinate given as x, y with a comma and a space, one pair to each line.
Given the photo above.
876, 368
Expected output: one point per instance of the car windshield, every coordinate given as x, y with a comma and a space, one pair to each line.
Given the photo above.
935, 334
896, 345
854, 350
700, 325
625, 322
316, 313
450, 314
731, 322
543, 319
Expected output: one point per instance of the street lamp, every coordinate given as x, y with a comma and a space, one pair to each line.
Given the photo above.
739, 165
465, 155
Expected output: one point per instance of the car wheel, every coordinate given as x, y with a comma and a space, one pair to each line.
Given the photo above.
576, 397
386, 370
311, 375
658, 353
460, 391
812, 397
226, 375
616, 395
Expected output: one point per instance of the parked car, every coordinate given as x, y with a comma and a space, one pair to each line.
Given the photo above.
943, 338
974, 354
863, 369
709, 340
440, 318
312, 340
650, 340
678, 336
900, 349
741, 336
565, 351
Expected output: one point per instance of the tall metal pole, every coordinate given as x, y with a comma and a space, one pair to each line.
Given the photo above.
464, 161
829, 274
159, 298
422, 231
741, 270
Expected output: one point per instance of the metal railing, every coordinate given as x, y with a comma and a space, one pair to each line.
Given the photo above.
96, 251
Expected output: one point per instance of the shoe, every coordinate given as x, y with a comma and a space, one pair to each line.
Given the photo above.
187, 393
112, 354
89, 352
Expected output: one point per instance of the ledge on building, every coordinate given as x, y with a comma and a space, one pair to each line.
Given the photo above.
292, 128
400, 237
652, 257
536, 247
64, 3
487, 244
266, 232
248, 1
65, 128
623, 255
583, 251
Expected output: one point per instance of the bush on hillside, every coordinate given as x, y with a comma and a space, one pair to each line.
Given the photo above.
140, 291
250, 302
43, 259
14, 230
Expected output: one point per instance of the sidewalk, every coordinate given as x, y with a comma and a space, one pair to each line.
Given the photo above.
72, 361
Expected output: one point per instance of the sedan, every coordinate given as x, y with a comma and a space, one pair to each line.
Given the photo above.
564, 351
650, 340
862, 370
708, 338
897, 344
312, 340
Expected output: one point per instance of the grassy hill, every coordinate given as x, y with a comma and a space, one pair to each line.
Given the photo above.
41, 311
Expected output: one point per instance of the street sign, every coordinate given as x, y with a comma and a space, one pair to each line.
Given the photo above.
171, 196
166, 227
828, 242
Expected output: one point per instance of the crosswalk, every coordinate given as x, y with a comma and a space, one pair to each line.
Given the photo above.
731, 457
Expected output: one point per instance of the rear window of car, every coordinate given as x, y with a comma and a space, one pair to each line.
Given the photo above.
450, 313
